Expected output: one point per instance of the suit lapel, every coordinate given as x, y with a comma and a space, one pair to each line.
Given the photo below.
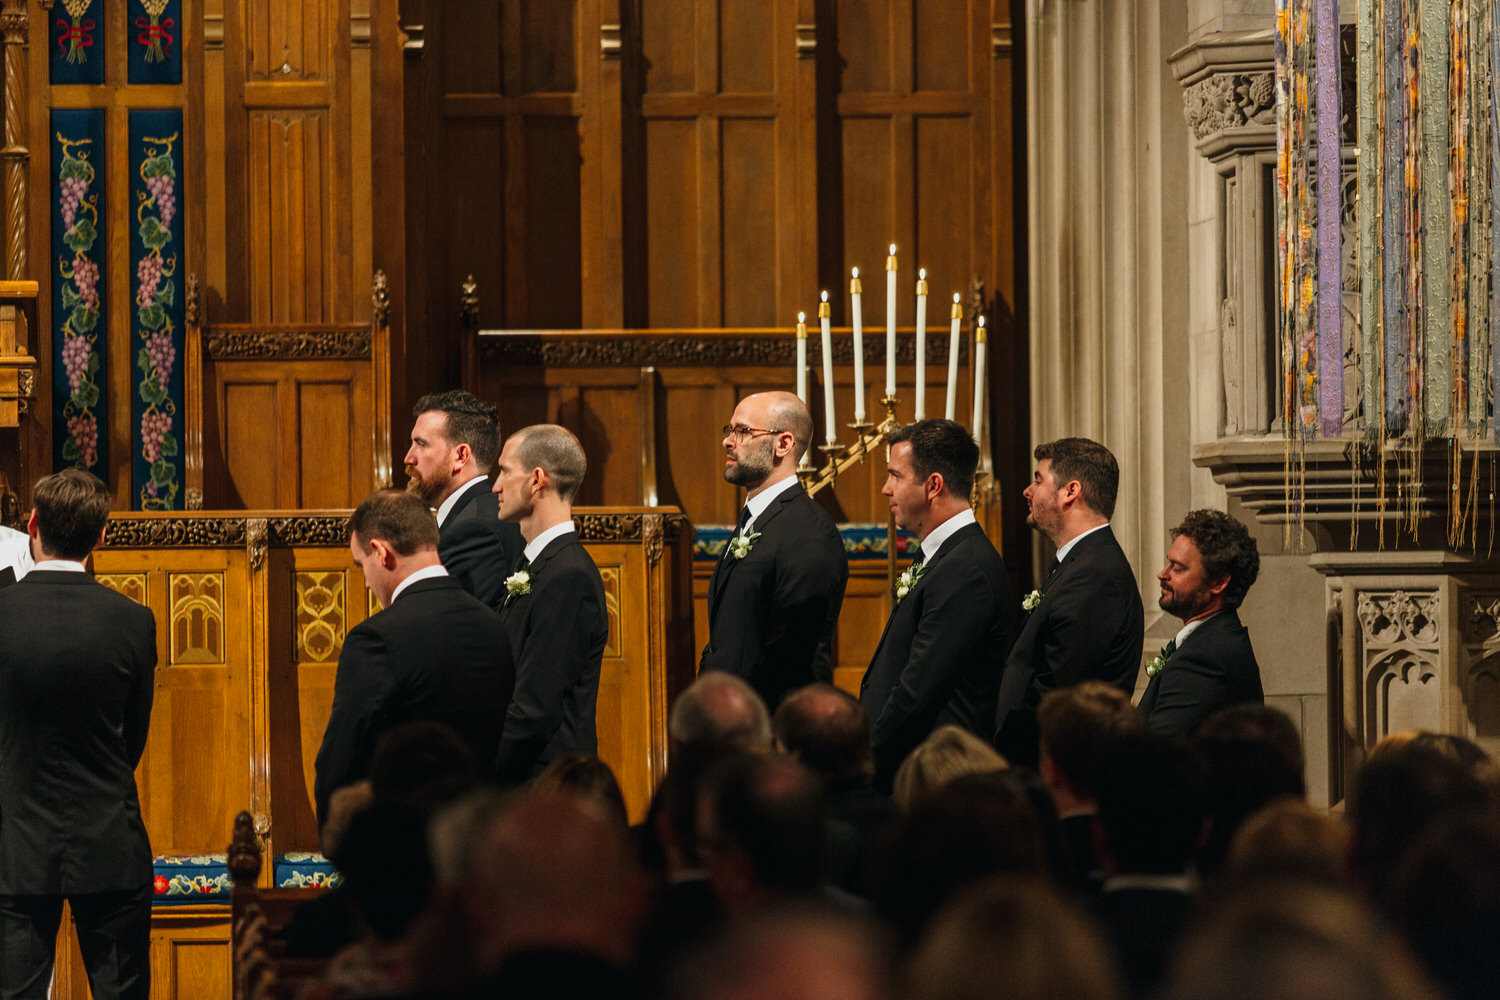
726, 562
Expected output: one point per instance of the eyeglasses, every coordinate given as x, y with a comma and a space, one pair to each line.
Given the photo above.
742, 433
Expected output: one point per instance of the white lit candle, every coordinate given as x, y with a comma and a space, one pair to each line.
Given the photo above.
890, 323
979, 337
857, 314
823, 316
958, 315
921, 410
802, 357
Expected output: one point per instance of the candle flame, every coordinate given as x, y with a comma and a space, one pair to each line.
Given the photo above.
854, 272
922, 273
893, 249
955, 298
802, 317
825, 295
981, 321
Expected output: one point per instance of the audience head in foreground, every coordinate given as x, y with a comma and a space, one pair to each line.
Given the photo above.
719, 710
827, 730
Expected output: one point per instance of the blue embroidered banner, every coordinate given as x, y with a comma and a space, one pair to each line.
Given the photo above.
78, 251
76, 54
155, 50
157, 404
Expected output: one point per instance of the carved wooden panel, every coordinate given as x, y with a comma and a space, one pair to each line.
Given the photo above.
197, 618
318, 622
289, 39
131, 585
291, 208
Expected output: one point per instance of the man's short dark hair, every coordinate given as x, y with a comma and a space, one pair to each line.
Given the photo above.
1227, 550
1091, 464
944, 447
1078, 726
1151, 804
828, 731
1251, 755
556, 451
471, 421
771, 808
400, 519
72, 507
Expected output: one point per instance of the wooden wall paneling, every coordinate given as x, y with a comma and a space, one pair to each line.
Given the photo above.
253, 441
603, 141
190, 953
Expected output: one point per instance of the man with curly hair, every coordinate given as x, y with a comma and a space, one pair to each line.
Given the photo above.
1210, 664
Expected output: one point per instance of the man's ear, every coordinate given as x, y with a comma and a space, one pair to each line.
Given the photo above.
383, 552
462, 455
31, 526
1070, 492
101, 536
934, 485
1218, 586
540, 480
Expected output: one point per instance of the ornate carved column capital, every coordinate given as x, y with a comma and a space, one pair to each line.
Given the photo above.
1229, 91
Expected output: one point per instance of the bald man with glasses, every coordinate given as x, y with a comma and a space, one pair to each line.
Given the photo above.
774, 599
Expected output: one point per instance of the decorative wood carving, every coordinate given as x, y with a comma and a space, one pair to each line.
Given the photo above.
15, 24
569, 350
319, 619
255, 541
380, 298
628, 527
651, 529
278, 345
131, 585
135, 531
196, 618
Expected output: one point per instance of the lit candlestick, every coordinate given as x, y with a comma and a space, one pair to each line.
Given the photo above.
857, 314
921, 410
802, 357
958, 315
890, 323
824, 312
979, 337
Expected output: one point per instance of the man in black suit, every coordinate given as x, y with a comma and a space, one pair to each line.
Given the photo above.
554, 610
1210, 567
77, 669
1085, 622
940, 656
774, 599
454, 444
434, 653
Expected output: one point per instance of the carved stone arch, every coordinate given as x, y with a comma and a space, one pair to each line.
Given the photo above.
1402, 691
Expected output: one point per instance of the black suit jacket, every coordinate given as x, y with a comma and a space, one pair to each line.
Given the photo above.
940, 656
558, 632
477, 548
1212, 669
77, 674
1089, 626
435, 654
772, 614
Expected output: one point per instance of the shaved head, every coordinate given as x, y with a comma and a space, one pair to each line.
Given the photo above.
785, 412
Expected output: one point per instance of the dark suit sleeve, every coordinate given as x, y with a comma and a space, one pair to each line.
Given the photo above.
473, 555
957, 609
360, 690
550, 658
737, 638
1082, 625
142, 691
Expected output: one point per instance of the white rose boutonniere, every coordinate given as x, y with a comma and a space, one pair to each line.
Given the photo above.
1159, 661
908, 580
518, 584
741, 544
1031, 600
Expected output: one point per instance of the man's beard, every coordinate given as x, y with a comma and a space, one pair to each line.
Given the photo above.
1187, 606
429, 488
752, 467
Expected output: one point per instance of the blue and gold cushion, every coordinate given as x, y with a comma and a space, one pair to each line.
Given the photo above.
861, 542
204, 878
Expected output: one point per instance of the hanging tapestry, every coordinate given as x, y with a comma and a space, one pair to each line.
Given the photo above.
155, 41
78, 299
76, 54
157, 338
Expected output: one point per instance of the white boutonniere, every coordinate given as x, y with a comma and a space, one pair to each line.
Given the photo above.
518, 583
1159, 661
908, 580
1031, 600
741, 544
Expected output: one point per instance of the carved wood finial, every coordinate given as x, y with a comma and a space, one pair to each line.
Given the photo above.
380, 298
244, 852
468, 303
977, 301
190, 309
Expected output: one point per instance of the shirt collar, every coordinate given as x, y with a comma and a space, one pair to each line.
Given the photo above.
536, 545
59, 566
762, 500
1062, 553
426, 573
937, 536
1190, 628
447, 506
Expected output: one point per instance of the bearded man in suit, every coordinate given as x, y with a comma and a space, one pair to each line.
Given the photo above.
454, 444
554, 609
1209, 664
775, 595
435, 653
1085, 622
940, 656
77, 674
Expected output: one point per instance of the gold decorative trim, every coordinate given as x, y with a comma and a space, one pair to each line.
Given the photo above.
319, 620
611, 45
651, 535
630, 528
380, 298
194, 497
468, 302
613, 645
192, 309
196, 617
570, 351
275, 345
131, 585
807, 41
135, 531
